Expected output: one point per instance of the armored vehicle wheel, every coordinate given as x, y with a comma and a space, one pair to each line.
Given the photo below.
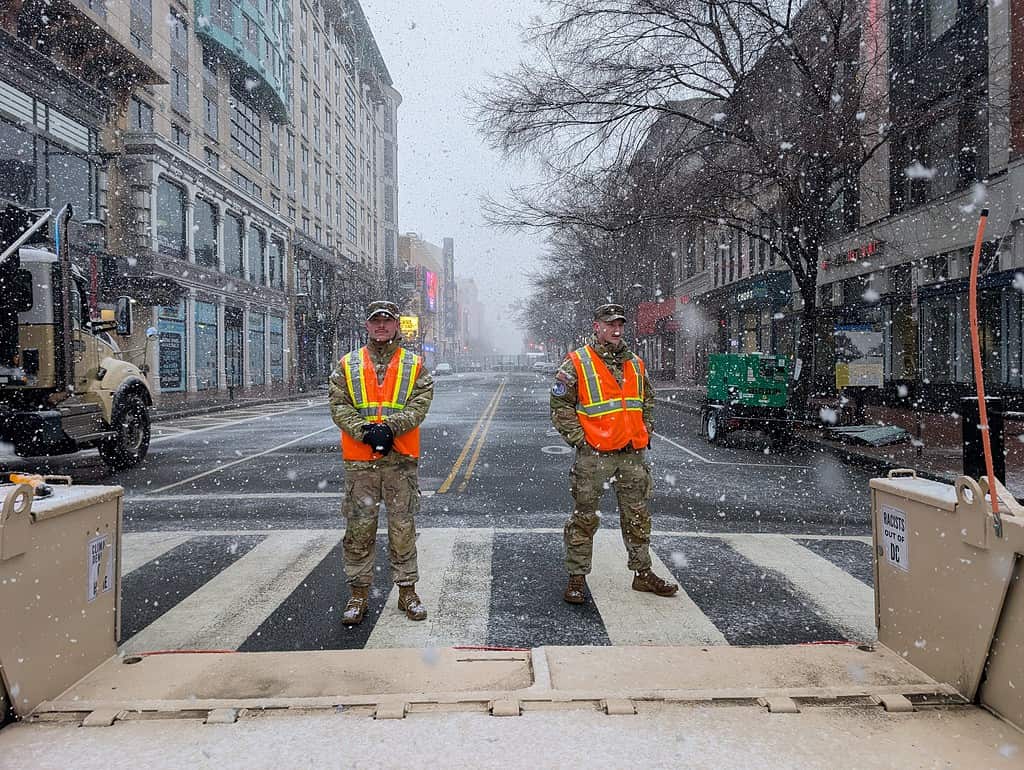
130, 445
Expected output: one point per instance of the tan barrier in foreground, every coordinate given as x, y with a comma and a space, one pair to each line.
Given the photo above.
948, 593
60, 588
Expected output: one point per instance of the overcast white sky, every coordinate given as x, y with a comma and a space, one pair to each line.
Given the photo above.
437, 52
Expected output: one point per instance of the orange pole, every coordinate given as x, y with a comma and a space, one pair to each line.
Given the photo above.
979, 380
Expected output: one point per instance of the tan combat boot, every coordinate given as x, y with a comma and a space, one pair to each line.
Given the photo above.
574, 591
410, 603
356, 607
647, 581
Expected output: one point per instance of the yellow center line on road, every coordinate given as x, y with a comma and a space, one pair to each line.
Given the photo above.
469, 442
480, 442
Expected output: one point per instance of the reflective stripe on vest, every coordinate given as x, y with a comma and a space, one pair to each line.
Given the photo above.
592, 400
373, 410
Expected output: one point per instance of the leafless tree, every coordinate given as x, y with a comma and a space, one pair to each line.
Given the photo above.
769, 111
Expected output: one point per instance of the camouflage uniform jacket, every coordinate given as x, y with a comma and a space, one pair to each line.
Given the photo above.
347, 417
564, 394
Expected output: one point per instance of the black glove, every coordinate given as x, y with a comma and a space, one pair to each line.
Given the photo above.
379, 436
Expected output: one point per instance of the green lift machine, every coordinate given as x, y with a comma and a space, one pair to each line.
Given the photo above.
748, 391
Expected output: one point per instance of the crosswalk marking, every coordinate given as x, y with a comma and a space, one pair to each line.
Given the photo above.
455, 587
138, 548
226, 610
633, 618
845, 601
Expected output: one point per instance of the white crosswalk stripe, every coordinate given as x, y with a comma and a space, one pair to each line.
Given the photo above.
230, 607
638, 618
845, 601
456, 587
138, 548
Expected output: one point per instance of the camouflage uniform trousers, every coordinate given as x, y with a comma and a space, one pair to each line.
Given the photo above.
631, 477
394, 482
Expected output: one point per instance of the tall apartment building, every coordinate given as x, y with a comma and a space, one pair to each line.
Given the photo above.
340, 178
233, 167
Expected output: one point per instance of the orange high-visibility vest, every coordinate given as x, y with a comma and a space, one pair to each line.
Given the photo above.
376, 401
612, 415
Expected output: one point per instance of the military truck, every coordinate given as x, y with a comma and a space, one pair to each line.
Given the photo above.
65, 384
747, 391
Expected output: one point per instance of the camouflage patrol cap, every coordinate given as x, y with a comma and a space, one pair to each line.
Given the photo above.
610, 312
382, 307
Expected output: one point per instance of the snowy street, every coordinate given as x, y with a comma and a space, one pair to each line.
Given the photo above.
233, 535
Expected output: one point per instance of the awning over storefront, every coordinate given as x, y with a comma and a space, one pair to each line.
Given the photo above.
648, 315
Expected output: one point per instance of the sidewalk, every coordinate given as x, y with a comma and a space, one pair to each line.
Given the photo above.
937, 456
177, 411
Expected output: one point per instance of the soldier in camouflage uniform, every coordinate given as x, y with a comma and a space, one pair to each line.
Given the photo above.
607, 418
380, 447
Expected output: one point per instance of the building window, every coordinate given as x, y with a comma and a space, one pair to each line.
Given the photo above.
205, 227
257, 336
211, 117
140, 116
170, 219
179, 89
141, 25
941, 16
212, 159
179, 136
256, 242
276, 330
246, 132
207, 342
276, 263
233, 245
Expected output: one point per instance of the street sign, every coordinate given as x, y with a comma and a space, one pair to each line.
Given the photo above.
410, 326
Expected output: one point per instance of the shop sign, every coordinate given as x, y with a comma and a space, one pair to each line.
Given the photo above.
856, 254
410, 325
772, 288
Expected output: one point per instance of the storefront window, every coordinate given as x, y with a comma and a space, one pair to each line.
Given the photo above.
72, 180
276, 330
207, 340
172, 342
257, 335
233, 245
19, 169
170, 219
205, 233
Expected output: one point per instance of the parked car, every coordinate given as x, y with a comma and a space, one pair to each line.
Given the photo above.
443, 368
545, 367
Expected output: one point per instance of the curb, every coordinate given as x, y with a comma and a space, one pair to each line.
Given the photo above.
161, 416
869, 461
846, 454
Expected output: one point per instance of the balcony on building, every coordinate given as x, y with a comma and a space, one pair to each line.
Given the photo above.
80, 36
253, 37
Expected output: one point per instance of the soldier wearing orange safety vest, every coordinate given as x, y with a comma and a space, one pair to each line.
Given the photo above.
379, 395
602, 404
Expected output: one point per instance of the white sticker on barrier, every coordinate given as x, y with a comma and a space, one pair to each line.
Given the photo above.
98, 581
894, 538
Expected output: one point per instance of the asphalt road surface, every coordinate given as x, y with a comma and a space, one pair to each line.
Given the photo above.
233, 534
